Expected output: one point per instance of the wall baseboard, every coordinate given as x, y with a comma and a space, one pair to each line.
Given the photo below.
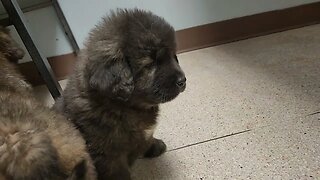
61, 65
248, 27
208, 35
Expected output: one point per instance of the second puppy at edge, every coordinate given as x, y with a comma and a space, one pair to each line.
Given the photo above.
127, 68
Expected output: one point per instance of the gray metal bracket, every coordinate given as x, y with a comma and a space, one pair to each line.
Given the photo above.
65, 26
16, 16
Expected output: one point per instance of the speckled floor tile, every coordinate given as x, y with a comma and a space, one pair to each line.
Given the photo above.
291, 151
244, 85
43, 95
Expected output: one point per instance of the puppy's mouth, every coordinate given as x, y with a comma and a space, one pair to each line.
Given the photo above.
182, 88
168, 95
165, 99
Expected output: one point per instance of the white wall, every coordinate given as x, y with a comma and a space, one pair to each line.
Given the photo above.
46, 32
82, 15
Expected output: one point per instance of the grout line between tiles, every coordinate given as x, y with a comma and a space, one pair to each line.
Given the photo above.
318, 112
213, 139
237, 133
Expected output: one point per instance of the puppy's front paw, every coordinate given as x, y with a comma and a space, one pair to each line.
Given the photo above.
157, 148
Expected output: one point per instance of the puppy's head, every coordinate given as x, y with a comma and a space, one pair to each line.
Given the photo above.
132, 56
8, 47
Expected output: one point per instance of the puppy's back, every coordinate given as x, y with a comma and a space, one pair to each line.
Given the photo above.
26, 151
35, 142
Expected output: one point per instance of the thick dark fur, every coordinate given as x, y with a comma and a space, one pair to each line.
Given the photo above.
35, 142
127, 68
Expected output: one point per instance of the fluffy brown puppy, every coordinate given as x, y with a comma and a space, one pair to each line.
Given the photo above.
35, 142
127, 68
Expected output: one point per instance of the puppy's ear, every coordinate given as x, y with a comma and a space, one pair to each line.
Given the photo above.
9, 47
113, 78
15, 54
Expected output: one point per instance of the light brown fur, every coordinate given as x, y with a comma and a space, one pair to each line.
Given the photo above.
35, 142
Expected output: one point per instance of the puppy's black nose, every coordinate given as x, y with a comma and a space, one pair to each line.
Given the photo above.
181, 82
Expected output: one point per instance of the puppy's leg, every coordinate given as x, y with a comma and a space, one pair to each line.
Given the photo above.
157, 147
112, 168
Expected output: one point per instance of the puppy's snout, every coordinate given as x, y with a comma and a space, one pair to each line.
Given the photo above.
181, 82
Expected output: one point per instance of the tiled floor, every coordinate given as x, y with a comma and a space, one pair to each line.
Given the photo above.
247, 112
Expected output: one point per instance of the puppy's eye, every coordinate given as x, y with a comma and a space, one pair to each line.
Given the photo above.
153, 54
